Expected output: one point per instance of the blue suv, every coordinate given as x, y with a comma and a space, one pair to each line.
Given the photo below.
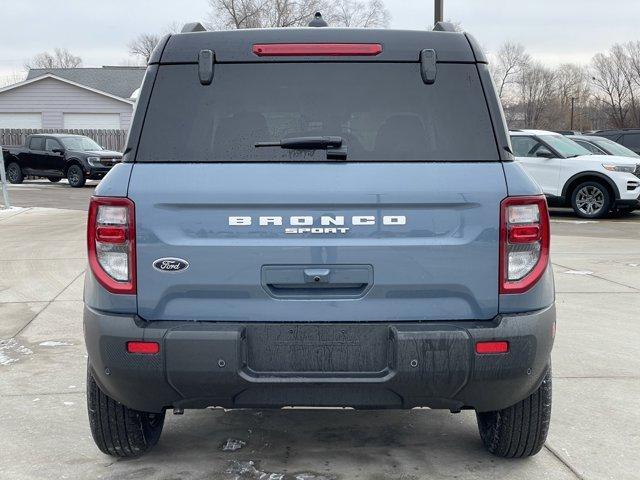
318, 217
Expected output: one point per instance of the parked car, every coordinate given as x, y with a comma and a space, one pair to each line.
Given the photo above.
603, 146
568, 132
571, 176
629, 137
56, 156
297, 223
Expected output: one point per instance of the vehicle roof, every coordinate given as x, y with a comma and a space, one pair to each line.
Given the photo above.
397, 45
533, 132
57, 135
619, 130
589, 137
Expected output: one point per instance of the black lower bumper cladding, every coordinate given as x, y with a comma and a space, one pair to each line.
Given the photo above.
360, 365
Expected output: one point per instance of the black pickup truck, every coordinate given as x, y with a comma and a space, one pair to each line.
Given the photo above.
56, 156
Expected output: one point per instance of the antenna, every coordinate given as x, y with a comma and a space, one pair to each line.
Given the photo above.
438, 11
444, 27
318, 21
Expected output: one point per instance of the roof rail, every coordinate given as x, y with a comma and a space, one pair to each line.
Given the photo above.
193, 27
444, 27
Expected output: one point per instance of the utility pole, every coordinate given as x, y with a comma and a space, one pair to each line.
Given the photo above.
573, 102
3, 182
438, 11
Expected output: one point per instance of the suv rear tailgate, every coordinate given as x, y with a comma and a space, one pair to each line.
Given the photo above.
434, 256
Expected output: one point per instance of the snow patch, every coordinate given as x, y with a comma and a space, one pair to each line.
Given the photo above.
578, 272
52, 343
312, 476
246, 470
231, 445
4, 210
11, 351
68, 404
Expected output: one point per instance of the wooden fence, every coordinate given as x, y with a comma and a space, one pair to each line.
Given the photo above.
109, 139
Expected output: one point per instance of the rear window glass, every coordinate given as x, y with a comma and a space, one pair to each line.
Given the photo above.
382, 111
632, 140
36, 143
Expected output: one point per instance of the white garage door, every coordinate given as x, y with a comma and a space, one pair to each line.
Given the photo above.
92, 120
20, 120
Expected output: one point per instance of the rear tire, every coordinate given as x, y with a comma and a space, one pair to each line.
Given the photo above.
520, 430
14, 173
117, 430
591, 199
53, 179
76, 177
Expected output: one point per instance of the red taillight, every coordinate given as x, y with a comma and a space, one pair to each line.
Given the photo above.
111, 234
148, 348
317, 49
484, 348
524, 242
111, 243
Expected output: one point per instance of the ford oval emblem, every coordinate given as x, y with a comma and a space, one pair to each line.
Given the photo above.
170, 264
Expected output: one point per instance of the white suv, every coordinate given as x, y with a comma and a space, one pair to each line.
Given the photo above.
570, 175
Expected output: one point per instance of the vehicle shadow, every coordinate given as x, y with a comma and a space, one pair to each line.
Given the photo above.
325, 444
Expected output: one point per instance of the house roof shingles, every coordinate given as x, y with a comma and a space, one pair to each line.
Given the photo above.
118, 81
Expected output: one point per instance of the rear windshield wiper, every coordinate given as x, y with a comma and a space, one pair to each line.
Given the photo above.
333, 145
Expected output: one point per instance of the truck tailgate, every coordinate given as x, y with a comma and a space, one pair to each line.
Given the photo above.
385, 241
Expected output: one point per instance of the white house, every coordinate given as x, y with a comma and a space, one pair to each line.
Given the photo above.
66, 98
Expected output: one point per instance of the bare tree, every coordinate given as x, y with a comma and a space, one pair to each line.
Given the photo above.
572, 93
60, 58
536, 85
604, 94
627, 57
613, 88
232, 14
510, 60
361, 14
143, 45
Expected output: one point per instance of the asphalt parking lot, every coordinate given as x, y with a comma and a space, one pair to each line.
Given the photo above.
595, 429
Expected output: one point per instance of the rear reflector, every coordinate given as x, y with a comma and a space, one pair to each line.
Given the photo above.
148, 348
524, 234
111, 234
484, 348
317, 49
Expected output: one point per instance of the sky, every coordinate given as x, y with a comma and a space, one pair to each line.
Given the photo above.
553, 31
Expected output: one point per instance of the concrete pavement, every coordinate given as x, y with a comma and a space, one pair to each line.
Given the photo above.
595, 429
43, 193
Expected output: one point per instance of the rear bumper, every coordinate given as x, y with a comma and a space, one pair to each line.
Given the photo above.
402, 365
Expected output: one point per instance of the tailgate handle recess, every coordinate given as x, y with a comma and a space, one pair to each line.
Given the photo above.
317, 275
321, 281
